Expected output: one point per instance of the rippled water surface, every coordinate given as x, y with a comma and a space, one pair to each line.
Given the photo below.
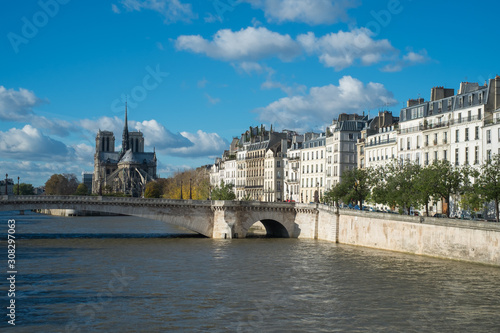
124, 274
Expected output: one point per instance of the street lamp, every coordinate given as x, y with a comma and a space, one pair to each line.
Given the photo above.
6, 175
17, 185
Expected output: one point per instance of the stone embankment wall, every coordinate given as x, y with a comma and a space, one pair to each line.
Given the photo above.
472, 241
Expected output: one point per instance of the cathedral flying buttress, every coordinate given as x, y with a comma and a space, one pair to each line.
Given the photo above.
126, 171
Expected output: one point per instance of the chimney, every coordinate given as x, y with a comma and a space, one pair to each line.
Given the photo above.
413, 102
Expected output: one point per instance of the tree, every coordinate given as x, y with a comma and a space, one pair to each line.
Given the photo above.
470, 196
398, 186
153, 190
489, 182
354, 186
82, 189
424, 187
24, 189
223, 192
447, 181
65, 184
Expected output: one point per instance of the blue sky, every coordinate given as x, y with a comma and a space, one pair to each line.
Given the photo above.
197, 73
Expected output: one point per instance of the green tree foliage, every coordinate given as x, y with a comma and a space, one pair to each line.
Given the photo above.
397, 185
82, 189
154, 189
470, 196
489, 182
424, 188
24, 189
223, 192
447, 180
61, 184
354, 186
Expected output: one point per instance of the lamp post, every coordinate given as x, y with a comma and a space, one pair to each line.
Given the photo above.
190, 196
17, 185
6, 175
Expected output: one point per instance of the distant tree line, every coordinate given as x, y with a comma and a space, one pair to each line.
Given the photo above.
180, 184
403, 185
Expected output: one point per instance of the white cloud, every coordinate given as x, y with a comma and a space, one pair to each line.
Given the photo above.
409, 59
172, 10
323, 104
204, 144
156, 135
17, 105
202, 83
248, 44
342, 49
113, 124
307, 11
30, 143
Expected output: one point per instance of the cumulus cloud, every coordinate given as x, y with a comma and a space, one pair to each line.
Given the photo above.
340, 50
156, 135
322, 104
17, 105
204, 144
172, 10
409, 59
248, 44
30, 143
308, 11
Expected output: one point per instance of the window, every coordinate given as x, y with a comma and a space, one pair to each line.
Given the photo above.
450, 104
426, 160
476, 155
488, 136
426, 140
435, 138
445, 139
488, 154
278, 164
466, 155
479, 114
459, 118
476, 133
440, 106
470, 99
469, 115
435, 155
445, 155
480, 98
456, 157
457, 133
467, 134
351, 136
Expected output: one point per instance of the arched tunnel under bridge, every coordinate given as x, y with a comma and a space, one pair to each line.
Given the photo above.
267, 229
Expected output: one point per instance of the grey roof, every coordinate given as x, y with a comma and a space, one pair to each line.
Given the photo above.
112, 156
349, 126
131, 157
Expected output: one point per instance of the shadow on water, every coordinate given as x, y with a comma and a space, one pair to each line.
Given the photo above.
107, 236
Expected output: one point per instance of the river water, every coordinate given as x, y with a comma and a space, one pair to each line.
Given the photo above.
125, 274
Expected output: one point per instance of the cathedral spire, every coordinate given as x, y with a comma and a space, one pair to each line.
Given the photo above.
125, 140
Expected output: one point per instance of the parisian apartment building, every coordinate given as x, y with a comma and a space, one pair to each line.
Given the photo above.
462, 127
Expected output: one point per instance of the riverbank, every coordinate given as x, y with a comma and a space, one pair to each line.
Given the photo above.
471, 241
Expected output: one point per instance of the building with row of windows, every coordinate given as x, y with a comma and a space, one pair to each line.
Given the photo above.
463, 128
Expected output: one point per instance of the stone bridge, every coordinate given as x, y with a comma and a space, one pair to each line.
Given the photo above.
214, 219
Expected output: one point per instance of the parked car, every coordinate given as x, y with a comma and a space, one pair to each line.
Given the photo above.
437, 215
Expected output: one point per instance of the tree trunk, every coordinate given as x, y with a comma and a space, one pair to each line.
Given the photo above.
496, 208
427, 208
447, 201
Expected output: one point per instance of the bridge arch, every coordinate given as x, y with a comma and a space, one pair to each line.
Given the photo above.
274, 229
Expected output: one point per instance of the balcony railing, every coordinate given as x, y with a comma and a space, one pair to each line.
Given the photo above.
381, 142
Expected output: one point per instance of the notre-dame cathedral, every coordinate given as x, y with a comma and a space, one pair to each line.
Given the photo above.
126, 171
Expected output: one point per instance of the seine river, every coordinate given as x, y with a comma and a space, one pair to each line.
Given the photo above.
124, 274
